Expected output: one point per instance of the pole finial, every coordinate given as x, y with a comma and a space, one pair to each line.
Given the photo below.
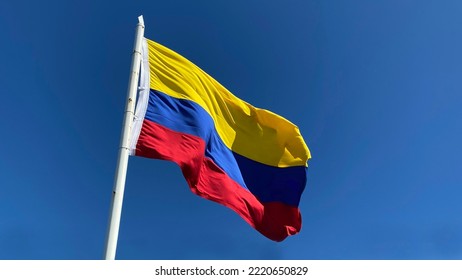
141, 20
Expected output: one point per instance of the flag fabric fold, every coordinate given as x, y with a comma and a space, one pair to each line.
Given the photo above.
248, 159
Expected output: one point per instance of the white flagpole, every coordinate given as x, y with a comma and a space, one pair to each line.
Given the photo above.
124, 150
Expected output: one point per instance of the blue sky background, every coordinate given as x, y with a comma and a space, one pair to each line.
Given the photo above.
375, 87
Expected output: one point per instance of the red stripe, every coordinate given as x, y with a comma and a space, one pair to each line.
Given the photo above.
274, 220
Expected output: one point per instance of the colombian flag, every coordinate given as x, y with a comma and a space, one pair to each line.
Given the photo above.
248, 159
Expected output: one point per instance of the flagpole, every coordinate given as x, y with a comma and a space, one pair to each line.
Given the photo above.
124, 149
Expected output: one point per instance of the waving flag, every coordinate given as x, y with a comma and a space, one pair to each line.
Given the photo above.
248, 159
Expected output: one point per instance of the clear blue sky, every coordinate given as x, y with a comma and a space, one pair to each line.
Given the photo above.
375, 87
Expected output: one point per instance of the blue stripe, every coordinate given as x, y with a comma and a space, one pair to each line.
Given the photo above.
267, 183
273, 184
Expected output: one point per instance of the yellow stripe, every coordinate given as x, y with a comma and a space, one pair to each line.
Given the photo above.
255, 133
